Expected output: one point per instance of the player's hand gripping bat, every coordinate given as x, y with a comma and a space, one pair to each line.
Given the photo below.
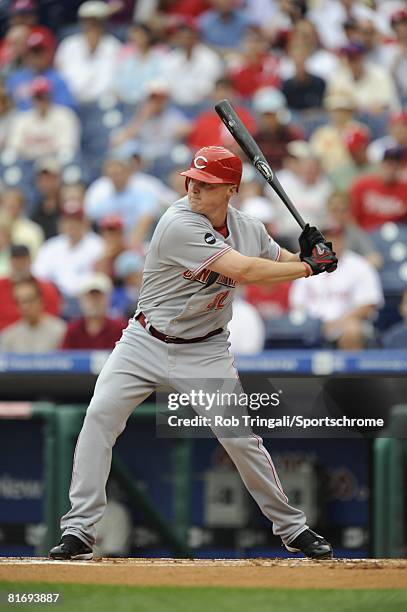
322, 250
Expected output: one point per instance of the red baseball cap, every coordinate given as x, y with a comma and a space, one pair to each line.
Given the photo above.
398, 17
111, 222
41, 86
40, 39
215, 165
357, 138
73, 208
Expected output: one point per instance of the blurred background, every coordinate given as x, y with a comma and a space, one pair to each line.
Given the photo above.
101, 105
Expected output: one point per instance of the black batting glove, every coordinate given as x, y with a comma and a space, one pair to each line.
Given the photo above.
323, 259
309, 238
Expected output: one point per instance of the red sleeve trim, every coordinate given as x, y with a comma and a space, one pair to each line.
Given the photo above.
205, 263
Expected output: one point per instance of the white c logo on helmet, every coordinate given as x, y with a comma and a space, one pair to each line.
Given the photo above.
197, 164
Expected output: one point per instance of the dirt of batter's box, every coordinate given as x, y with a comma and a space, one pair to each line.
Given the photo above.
286, 573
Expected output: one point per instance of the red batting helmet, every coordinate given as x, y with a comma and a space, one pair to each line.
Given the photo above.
215, 165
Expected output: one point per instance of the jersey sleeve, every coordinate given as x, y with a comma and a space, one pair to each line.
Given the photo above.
270, 249
191, 245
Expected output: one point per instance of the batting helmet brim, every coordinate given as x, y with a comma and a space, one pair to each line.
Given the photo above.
205, 177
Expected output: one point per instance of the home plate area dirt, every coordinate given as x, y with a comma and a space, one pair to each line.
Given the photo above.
283, 573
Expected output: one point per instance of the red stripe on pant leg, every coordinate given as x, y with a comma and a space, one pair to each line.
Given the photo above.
273, 469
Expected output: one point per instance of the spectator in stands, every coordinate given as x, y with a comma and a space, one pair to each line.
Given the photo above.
224, 25
5, 245
395, 55
327, 141
139, 62
47, 129
20, 269
255, 67
23, 230
357, 240
38, 58
382, 196
318, 61
191, 68
207, 128
67, 258
102, 188
345, 302
304, 91
94, 330
156, 126
396, 336
357, 140
274, 132
128, 273
307, 186
136, 206
37, 331
396, 136
111, 229
87, 60
7, 114
13, 49
46, 209
246, 317
372, 87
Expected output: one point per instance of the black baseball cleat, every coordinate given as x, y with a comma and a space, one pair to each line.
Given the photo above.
311, 545
71, 547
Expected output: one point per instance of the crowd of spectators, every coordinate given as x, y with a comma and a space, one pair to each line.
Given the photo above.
102, 103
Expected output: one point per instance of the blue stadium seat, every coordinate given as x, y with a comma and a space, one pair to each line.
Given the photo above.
293, 331
391, 242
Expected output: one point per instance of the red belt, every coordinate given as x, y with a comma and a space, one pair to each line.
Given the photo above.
172, 339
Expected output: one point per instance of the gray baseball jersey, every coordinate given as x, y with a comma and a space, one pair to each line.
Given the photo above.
180, 296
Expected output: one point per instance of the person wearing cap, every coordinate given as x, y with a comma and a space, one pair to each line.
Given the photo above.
224, 25
94, 330
156, 126
372, 87
128, 274
347, 302
140, 61
396, 136
45, 209
111, 228
20, 269
274, 130
395, 52
201, 250
36, 331
23, 230
68, 257
357, 140
38, 61
381, 197
47, 129
191, 68
327, 141
136, 206
87, 60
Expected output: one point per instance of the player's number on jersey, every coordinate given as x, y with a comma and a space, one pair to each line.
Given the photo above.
219, 301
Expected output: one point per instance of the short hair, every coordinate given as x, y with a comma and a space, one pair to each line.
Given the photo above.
29, 281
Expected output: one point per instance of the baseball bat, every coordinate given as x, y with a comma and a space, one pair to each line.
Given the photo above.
247, 143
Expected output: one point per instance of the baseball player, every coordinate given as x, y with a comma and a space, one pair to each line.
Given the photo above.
201, 249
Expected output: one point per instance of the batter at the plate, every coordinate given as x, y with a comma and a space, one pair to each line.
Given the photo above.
201, 249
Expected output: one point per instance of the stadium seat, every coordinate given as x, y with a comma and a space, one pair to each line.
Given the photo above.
293, 331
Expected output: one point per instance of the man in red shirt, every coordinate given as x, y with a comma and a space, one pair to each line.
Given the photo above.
207, 128
376, 199
20, 262
94, 330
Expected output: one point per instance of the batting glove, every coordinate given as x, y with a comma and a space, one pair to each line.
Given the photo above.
309, 238
323, 259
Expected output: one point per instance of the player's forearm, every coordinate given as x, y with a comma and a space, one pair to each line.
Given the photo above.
264, 271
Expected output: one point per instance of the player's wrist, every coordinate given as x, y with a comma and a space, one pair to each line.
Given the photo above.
308, 270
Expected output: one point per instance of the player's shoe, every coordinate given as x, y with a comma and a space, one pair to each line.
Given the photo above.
311, 545
71, 547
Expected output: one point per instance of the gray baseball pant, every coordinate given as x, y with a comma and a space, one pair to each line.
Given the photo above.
137, 366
